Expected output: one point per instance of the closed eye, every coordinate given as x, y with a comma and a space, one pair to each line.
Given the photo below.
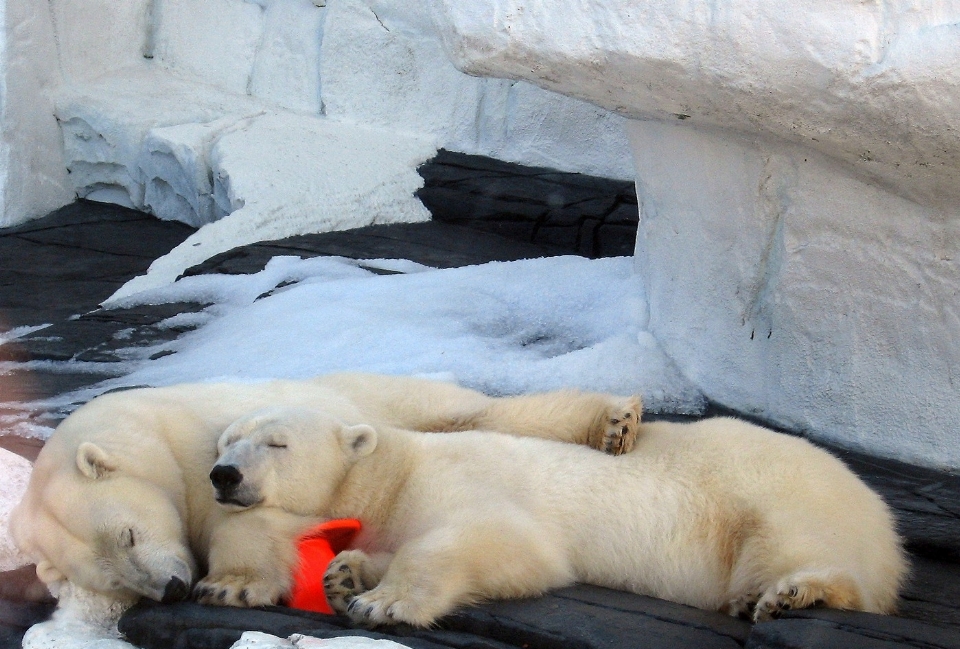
277, 445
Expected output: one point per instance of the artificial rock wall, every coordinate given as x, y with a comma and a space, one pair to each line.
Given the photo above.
798, 173
116, 73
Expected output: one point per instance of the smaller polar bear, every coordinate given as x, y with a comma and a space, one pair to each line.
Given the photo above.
718, 514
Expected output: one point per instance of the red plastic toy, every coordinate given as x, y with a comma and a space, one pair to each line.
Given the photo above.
316, 549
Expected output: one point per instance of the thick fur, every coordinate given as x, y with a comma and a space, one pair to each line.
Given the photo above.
720, 514
120, 501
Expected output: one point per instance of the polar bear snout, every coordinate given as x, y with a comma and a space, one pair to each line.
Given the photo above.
225, 477
230, 487
175, 591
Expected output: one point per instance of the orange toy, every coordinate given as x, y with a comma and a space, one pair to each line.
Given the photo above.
316, 549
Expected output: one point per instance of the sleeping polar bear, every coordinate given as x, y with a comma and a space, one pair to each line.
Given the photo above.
718, 514
119, 500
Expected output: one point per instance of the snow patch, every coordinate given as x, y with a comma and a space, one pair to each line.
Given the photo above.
258, 640
83, 620
502, 327
16, 473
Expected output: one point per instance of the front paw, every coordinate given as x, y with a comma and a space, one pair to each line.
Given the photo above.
344, 579
621, 426
381, 606
238, 590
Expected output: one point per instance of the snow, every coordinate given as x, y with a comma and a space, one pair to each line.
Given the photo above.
502, 327
257, 640
16, 472
83, 620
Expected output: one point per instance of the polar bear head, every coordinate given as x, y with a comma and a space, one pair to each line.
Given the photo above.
290, 458
88, 519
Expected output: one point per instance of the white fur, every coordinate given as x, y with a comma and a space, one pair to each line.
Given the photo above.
719, 514
119, 501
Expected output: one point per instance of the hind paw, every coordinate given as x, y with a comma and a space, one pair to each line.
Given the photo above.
787, 595
742, 607
621, 426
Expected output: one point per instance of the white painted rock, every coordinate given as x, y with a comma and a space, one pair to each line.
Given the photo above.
366, 61
284, 174
798, 173
875, 84
383, 63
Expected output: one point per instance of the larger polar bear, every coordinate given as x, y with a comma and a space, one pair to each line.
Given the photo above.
120, 502
718, 514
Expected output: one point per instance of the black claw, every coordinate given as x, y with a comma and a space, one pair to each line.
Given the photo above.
242, 595
222, 595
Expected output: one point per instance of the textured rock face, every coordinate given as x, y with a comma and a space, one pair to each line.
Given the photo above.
33, 180
354, 61
875, 84
799, 186
788, 288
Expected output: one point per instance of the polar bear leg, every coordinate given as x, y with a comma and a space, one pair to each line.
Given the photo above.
251, 559
605, 422
450, 567
832, 589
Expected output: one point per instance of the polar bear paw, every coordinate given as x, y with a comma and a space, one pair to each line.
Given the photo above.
742, 607
344, 579
621, 426
802, 592
237, 590
382, 606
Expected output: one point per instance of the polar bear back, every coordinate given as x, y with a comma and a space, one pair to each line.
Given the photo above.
682, 494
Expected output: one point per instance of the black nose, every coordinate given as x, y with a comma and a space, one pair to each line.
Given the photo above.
176, 591
225, 476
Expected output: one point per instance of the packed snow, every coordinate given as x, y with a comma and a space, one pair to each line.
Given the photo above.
502, 327
16, 472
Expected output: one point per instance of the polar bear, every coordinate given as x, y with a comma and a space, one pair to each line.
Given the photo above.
718, 514
119, 500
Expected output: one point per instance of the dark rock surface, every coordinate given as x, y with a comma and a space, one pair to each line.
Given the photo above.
589, 216
57, 270
582, 617
90, 248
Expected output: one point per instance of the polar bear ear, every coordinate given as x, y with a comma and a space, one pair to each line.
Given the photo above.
93, 461
358, 441
48, 573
